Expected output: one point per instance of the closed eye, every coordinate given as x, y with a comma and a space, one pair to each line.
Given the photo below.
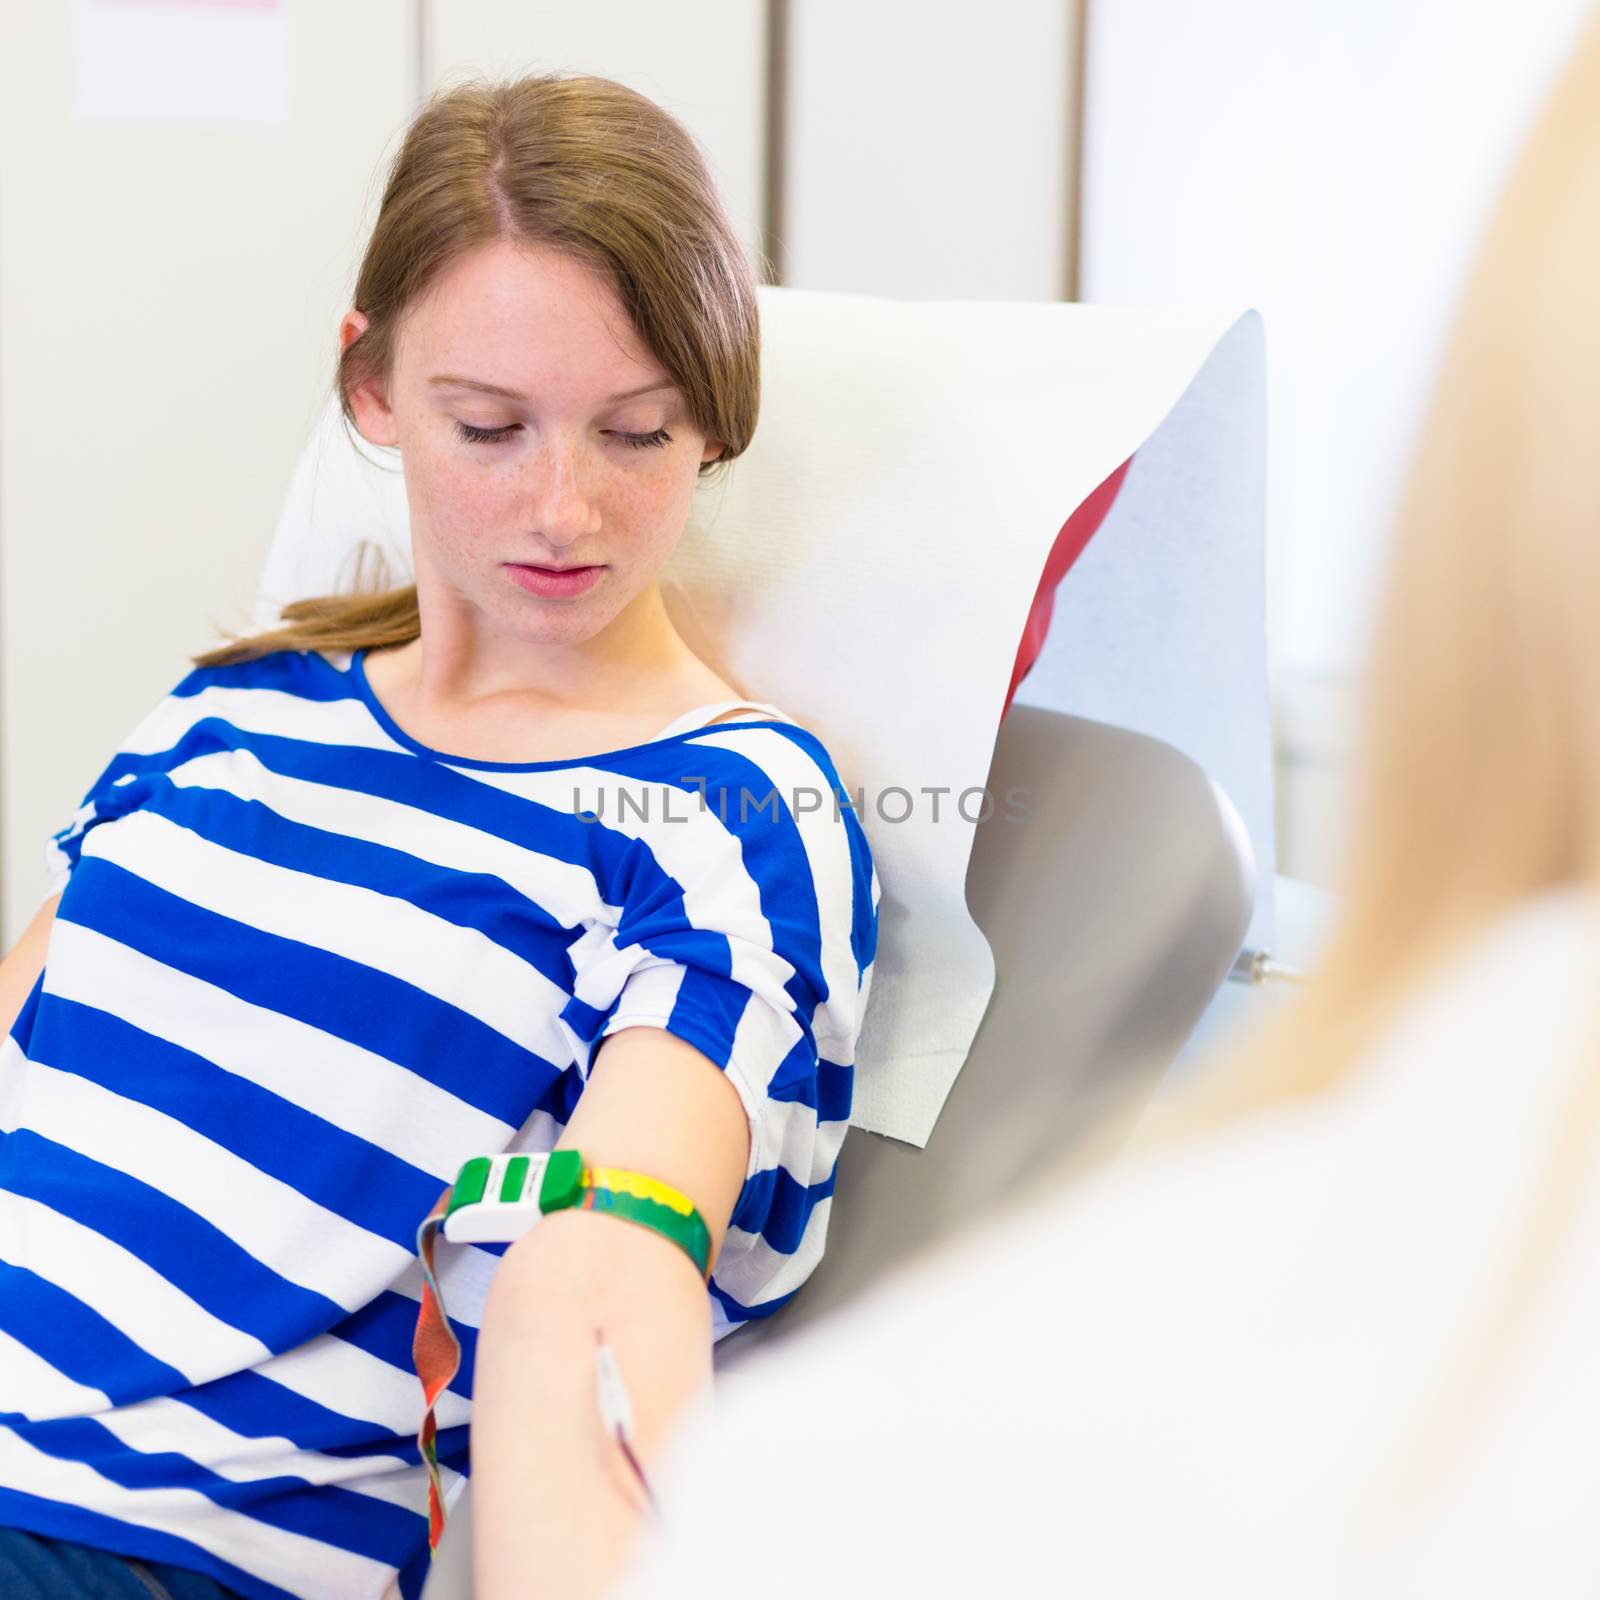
638, 441
644, 441
484, 435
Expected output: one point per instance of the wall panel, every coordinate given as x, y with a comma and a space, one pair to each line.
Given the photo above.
928, 148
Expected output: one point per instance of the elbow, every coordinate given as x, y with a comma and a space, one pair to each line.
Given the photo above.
543, 1288
579, 1274
578, 1278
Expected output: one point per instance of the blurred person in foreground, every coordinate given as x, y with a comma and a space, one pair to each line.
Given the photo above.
1328, 1324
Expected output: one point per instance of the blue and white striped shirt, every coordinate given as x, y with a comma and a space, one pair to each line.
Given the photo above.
303, 967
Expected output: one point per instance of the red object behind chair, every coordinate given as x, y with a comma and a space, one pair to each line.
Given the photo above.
1076, 532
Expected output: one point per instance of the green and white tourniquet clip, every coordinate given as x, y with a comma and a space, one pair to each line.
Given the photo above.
496, 1199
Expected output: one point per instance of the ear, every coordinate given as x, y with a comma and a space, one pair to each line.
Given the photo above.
713, 451
370, 400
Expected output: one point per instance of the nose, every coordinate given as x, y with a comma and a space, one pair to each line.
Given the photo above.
560, 508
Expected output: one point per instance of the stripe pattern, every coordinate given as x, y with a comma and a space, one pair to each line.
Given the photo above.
301, 970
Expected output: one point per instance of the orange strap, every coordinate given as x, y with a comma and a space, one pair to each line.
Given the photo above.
437, 1354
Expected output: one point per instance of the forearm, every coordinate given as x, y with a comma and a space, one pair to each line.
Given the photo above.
556, 1508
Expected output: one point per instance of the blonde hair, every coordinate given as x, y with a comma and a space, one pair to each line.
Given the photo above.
582, 165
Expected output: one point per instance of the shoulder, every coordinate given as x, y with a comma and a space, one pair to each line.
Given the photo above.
764, 739
775, 782
310, 674
284, 692
767, 808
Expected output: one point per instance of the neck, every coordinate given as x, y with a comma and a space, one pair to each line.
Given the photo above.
452, 665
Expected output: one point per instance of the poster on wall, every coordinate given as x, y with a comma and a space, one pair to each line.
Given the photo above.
182, 61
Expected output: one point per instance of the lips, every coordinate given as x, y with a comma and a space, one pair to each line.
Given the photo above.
553, 583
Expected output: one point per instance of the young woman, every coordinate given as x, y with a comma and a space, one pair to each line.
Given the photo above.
487, 862
1332, 1329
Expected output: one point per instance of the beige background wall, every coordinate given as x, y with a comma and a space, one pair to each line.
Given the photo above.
169, 295
928, 148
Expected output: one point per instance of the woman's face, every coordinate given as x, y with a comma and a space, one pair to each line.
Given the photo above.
536, 429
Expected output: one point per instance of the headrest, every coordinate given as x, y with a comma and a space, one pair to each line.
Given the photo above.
869, 566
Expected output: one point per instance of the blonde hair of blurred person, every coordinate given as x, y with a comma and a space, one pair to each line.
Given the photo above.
1477, 785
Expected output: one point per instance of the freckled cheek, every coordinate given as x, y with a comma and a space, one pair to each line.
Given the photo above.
648, 502
642, 501
462, 501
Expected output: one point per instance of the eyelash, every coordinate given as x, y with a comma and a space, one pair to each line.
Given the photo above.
639, 441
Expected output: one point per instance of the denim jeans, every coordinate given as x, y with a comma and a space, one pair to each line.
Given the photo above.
36, 1567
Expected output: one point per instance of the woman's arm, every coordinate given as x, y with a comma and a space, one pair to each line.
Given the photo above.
555, 1505
20, 970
